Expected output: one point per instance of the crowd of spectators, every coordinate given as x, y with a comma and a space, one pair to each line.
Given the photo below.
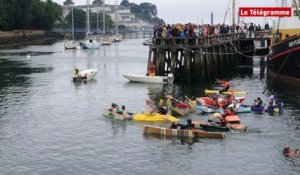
193, 30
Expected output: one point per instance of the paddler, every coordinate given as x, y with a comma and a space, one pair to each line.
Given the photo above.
225, 84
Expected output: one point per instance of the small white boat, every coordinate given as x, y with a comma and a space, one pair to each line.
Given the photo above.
84, 75
71, 44
105, 41
149, 79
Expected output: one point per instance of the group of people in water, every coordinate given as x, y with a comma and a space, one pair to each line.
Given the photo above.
289, 154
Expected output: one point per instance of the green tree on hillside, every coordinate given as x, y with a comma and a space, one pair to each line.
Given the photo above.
125, 3
95, 2
68, 2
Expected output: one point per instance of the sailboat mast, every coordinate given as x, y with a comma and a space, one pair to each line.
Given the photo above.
98, 18
117, 17
233, 12
103, 6
72, 20
88, 18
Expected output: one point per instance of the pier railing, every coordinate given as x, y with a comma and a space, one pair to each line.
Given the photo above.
208, 40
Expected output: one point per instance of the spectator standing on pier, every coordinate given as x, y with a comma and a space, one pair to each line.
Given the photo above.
251, 30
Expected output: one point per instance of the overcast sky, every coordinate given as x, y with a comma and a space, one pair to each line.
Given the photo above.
184, 11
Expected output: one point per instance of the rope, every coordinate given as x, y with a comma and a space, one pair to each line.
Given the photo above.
211, 53
281, 66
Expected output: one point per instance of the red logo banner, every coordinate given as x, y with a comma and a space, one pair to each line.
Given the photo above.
265, 11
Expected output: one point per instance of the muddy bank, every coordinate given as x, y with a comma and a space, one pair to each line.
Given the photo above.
19, 38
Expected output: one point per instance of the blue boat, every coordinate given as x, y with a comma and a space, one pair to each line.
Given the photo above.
242, 109
278, 108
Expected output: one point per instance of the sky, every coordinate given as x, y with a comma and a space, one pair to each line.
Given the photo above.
196, 11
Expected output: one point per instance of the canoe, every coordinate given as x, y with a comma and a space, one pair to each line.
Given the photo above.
210, 127
114, 115
154, 117
194, 133
225, 93
146, 79
205, 109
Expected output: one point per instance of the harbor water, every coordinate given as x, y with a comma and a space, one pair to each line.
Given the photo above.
50, 125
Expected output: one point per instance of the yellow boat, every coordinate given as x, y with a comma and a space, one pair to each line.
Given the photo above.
225, 93
156, 117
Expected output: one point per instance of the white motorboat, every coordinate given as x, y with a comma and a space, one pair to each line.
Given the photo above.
84, 75
149, 79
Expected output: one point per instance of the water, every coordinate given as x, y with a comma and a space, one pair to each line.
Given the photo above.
49, 125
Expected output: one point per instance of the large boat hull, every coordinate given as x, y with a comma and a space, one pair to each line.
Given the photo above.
284, 62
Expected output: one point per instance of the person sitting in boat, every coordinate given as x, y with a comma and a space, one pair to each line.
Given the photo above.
161, 108
174, 125
259, 102
124, 110
225, 85
218, 119
113, 107
151, 69
76, 71
189, 125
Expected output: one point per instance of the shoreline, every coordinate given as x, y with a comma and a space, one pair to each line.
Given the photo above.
16, 38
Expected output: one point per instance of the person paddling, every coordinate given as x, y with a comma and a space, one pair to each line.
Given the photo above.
225, 85
288, 153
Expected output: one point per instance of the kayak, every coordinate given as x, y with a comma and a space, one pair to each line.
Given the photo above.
242, 110
278, 108
193, 133
211, 127
114, 115
205, 109
154, 117
257, 109
221, 101
225, 93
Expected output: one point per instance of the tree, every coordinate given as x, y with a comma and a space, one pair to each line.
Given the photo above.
79, 18
97, 2
68, 2
125, 3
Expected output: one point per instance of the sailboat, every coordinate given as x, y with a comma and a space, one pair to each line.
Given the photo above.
117, 37
89, 42
71, 44
284, 59
104, 40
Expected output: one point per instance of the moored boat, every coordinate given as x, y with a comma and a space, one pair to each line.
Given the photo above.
194, 133
146, 79
284, 59
117, 116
